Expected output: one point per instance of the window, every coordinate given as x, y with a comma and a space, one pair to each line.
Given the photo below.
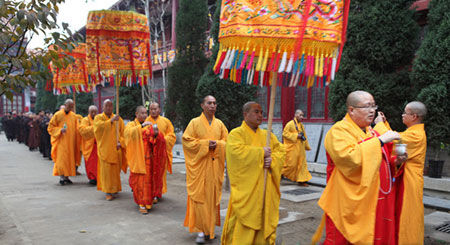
262, 100
317, 102
301, 99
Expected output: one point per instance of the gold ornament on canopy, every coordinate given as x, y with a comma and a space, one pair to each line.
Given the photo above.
299, 41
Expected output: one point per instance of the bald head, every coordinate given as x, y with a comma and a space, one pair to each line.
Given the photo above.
93, 110
154, 110
107, 107
68, 105
418, 108
141, 113
247, 106
140, 108
299, 115
355, 97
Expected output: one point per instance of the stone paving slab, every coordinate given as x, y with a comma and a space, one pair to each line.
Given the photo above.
434, 220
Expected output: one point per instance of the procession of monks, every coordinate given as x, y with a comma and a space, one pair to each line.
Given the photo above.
374, 187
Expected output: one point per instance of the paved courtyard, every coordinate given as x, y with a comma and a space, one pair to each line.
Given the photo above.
35, 209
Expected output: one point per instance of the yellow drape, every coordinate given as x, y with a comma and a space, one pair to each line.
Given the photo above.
295, 167
351, 195
86, 129
135, 147
245, 160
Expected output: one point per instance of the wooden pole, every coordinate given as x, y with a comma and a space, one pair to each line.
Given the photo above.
273, 91
117, 108
74, 103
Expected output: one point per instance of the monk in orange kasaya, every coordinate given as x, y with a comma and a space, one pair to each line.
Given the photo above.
63, 130
166, 128
146, 156
359, 199
110, 150
89, 144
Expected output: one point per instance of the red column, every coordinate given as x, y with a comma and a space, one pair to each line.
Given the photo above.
308, 114
287, 104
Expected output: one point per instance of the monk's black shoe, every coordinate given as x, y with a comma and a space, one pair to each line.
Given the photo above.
68, 181
93, 182
62, 182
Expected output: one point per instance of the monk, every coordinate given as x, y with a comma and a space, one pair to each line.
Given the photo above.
166, 128
79, 142
110, 151
359, 199
204, 151
410, 175
89, 144
294, 137
63, 129
252, 216
146, 156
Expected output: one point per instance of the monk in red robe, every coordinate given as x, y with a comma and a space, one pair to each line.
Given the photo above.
146, 154
359, 199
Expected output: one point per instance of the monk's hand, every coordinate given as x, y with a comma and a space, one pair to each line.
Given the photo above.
118, 145
389, 136
115, 118
146, 124
401, 159
380, 117
63, 130
267, 162
267, 152
212, 144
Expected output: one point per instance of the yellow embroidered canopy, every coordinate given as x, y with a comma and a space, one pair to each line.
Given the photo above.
300, 40
73, 78
118, 48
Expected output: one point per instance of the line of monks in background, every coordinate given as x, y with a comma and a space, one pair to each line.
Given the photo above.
369, 185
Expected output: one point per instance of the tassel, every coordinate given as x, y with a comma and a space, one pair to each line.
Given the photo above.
282, 67
316, 64
219, 59
276, 61
294, 73
333, 69
266, 58
325, 66
321, 65
260, 60
290, 63
250, 63
302, 63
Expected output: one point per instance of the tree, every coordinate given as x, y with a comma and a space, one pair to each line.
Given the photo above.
19, 22
129, 99
182, 104
380, 47
431, 73
45, 100
230, 96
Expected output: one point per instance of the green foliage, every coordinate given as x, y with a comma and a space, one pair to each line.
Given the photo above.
45, 100
380, 45
192, 20
20, 20
230, 96
431, 73
129, 99
82, 102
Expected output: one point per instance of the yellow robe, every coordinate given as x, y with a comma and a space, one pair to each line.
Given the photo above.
351, 195
79, 142
111, 160
64, 146
295, 167
135, 147
245, 161
204, 173
166, 128
412, 214
86, 130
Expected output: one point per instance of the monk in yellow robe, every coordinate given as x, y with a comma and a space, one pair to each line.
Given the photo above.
295, 167
252, 216
204, 151
89, 144
356, 156
410, 186
166, 128
63, 131
110, 150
